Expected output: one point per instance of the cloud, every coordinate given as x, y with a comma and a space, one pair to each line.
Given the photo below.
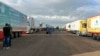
53, 20
97, 1
56, 11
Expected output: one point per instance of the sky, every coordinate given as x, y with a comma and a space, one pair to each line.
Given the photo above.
56, 12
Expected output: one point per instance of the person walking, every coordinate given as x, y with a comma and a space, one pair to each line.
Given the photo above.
7, 36
49, 30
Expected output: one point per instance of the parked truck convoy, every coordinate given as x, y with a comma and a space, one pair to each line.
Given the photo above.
86, 27
17, 20
78, 27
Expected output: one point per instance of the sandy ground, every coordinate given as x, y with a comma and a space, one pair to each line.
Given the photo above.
60, 43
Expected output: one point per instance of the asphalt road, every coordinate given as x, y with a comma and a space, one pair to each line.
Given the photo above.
60, 43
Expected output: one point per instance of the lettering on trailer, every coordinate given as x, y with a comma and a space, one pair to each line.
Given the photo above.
3, 14
2, 9
13, 13
12, 16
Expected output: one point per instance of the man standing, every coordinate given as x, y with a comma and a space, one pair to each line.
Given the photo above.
10, 34
7, 36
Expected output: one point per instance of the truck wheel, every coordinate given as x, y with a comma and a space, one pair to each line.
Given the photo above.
98, 38
94, 37
78, 33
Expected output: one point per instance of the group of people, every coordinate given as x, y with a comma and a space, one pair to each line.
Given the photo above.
7, 32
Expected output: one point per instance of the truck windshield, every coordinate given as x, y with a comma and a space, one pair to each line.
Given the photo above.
84, 25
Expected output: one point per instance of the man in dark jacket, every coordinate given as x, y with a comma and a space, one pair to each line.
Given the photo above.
7, 36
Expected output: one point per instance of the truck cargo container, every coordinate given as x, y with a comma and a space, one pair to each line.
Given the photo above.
93, 26
78, 27
30, 26
17, 20
67, 27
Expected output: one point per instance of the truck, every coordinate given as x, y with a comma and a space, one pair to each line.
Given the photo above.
93, 26
67, 27
16, 19
78, 27
31, 24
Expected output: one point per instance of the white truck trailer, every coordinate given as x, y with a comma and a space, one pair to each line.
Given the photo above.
17, 20
78, 27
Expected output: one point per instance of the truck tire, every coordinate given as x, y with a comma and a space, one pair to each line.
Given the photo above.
94, 37
98, 38
78, 33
